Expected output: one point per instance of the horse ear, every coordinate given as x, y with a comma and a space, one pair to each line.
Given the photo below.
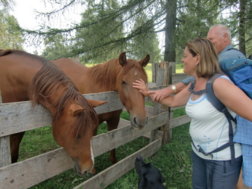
95, 103
145, 61
76, 109
122, 59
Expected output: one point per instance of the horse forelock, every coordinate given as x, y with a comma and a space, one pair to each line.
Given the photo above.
132, 64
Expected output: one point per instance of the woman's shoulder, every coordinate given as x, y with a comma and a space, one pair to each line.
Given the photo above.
216, 78
223, 77
223, 85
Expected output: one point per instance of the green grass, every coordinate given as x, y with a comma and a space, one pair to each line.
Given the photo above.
173, 159
179, 68
36, 142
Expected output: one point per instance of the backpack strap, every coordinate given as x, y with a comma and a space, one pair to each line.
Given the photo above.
191, 89
214, 100
211, 96
221, 108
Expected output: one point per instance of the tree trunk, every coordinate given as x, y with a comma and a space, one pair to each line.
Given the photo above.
170, 28
241, 29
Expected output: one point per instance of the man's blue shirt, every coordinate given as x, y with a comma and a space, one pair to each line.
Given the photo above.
230, 52
244, 127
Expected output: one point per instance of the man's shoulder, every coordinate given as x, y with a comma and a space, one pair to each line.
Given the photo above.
230, 53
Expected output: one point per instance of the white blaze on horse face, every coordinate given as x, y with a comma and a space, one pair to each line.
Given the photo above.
135, 73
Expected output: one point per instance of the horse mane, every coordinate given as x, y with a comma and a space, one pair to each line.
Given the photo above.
47, 81
105, 74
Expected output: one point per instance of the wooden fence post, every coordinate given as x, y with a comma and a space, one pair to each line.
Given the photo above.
5, 157
162, 73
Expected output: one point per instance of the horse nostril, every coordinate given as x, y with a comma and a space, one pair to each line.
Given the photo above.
135, 120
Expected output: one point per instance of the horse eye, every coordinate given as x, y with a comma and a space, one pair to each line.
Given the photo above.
124, 83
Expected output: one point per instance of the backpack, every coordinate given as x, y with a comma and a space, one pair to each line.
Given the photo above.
240, 72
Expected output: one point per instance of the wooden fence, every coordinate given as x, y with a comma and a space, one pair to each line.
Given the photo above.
21, 116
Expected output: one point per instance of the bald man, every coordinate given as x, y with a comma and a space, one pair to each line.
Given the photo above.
220, 36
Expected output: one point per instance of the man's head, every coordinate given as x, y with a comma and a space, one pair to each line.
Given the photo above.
220, 36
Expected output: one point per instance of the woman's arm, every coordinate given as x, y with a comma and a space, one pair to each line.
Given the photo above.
179, 99
160, 94
172, 101
233, 97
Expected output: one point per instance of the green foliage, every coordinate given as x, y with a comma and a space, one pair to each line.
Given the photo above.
146, 42
97, 41
56, 47
10, 34
194, 20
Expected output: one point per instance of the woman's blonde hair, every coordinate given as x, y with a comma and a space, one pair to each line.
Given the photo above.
208, 63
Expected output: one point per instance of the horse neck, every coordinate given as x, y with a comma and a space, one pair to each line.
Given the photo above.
51, 103
106, 74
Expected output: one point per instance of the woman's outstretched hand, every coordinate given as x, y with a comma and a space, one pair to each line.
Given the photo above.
141, 86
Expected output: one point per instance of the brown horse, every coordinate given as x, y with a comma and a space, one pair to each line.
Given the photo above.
114, 75
25, 76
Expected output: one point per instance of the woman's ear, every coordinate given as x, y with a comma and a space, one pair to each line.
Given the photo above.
197, 59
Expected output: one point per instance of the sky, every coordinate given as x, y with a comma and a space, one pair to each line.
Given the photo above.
26, 13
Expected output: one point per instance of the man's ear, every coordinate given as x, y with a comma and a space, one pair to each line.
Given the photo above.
95, 103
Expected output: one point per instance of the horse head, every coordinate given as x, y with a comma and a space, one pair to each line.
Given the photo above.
74, 129
131, 98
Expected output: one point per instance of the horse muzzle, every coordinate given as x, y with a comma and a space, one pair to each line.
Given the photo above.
83, 170
137, 122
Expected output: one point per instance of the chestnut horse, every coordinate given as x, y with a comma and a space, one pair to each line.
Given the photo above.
25, 76
114, 75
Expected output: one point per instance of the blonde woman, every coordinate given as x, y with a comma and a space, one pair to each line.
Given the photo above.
208, 127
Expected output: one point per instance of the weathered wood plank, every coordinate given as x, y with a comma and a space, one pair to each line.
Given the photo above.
118, 137
34, 170
123, 123
175, 122
178, 77
5, 157
109, 175
21, 116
